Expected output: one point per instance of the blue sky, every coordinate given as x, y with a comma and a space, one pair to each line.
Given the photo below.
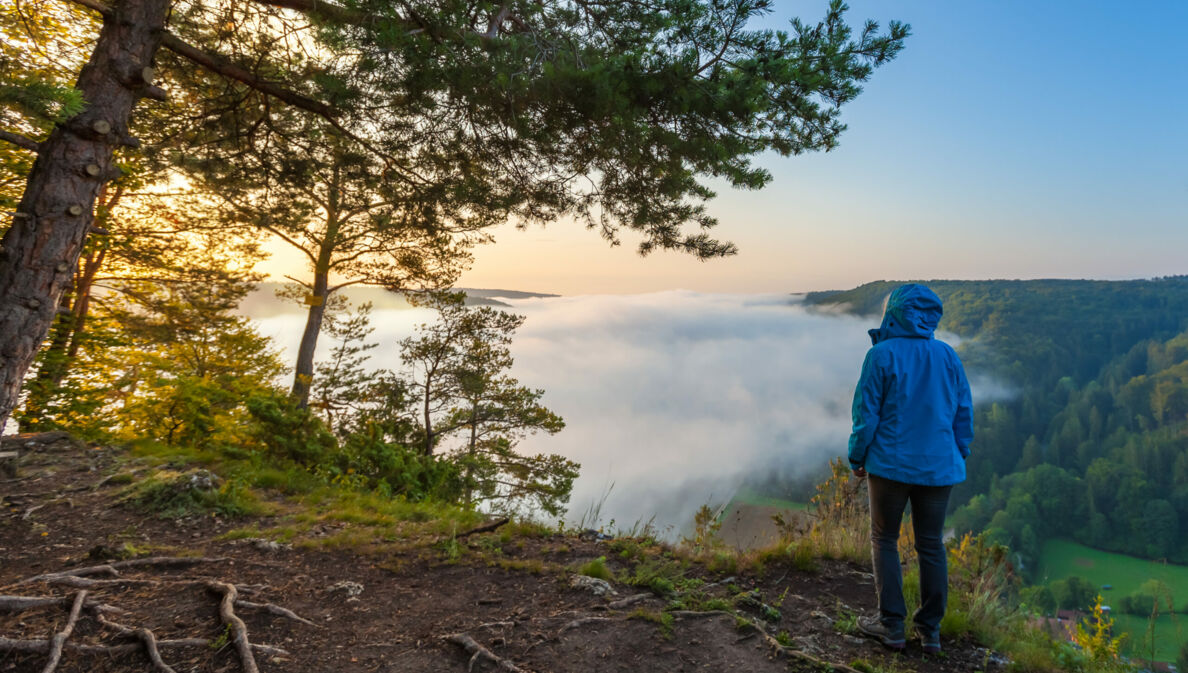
1009, 139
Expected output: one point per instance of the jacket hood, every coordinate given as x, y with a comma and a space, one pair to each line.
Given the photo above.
912, 311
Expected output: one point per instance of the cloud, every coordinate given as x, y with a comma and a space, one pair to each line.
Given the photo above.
673, 397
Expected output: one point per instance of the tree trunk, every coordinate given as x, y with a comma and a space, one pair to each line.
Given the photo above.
41, 248
82, 305
63, 345
303, 373
428, 450
469, 481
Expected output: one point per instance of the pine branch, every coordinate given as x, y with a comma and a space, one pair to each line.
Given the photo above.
20, 141
338, 14
218, 64
95, 5
323, 10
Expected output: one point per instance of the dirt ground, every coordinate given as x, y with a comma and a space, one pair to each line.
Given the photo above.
393, 612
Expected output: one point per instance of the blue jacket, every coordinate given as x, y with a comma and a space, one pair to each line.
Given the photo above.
913, 416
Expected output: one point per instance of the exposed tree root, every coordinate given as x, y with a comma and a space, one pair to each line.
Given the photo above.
478, 652
148, 643
696, 614
625, 602
277, 610
150, 647
88, 583
28, 512
146, 636
497, 625
42, 646
20, 603
239, 634
784, 650
486, 528
113, 569
59, 638
166, 562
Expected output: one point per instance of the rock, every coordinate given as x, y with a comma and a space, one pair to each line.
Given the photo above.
591, 534
807, 644
993, 657
351, 589
269, 545
593, 585
854, 640
203, 480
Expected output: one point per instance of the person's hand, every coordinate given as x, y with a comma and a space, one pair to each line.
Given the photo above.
860, 472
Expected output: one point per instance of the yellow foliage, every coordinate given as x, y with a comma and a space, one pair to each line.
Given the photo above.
1097, 641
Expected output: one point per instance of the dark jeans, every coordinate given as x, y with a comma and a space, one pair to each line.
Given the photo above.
887, 501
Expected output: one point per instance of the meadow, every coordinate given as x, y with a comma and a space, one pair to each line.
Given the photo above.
1063, 558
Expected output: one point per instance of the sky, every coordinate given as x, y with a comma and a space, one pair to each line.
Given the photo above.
1009, 139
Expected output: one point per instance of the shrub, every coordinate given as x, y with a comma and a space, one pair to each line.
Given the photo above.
289, 432
842, 516
400, 470
980, 580
178, 494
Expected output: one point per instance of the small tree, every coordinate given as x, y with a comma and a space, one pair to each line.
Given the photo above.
1095, 636
343, 383
167, 358
460, 380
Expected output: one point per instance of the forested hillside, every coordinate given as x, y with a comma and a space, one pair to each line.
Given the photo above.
1091, 442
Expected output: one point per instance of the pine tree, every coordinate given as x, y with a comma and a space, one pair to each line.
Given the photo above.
459, 365
614, 112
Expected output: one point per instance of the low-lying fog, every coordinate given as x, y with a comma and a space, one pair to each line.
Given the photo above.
674, 398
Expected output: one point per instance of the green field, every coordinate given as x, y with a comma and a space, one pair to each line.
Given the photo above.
1062, 558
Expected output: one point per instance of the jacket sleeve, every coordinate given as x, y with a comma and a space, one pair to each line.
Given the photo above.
868, 402
963, 425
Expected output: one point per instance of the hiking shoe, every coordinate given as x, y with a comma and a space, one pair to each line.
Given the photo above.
929, 642
890, 638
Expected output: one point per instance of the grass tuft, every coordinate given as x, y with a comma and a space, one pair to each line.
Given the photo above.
597, 568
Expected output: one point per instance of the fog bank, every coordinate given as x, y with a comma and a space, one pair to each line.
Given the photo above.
672, 397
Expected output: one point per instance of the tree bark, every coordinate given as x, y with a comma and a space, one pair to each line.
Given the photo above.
428, 450
42, 247
303, 372
82, 304
66, 333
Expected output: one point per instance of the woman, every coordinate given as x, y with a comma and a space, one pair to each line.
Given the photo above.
913, 422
